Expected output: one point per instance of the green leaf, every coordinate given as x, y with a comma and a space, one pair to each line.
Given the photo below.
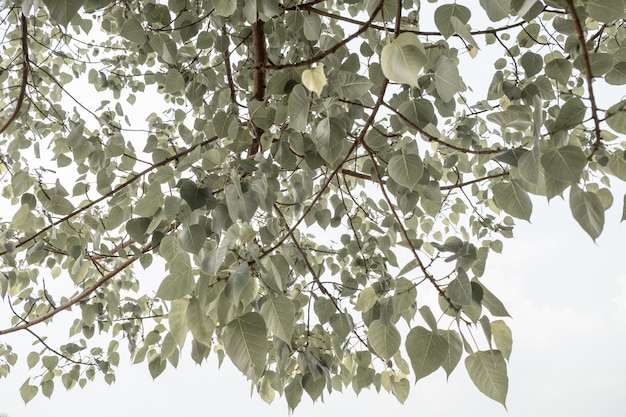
617, 75
623, 210
418, 112
177, 318
487, 369
384, 339
328, 137
447, 79
496, 9
571, 115
366, 300
312, 27
246, 345
237, 282
605, 10
565, 164
314, 80
529, 166
298, 108
588, 210
514, 119
503, 337
403, 58
453, 351
192, 238
133, 31
491, 302
532, 63
406, 170
616, 117
427, 351
559, 69
28, 391
62, 11
225, 7
513, 199
180, 282
200, 325
445, 13
460, 290
280, 316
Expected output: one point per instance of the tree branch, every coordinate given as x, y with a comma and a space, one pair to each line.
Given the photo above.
112, 192
588, 75
25, 64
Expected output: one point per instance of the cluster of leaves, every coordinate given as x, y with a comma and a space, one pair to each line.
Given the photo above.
303, 170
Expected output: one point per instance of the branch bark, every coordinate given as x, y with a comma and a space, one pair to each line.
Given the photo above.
25, 64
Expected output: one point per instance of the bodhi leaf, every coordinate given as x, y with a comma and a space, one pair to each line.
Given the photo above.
588, 210
487, 369
427, 351
279, 314
314, 80
445, 13
62, 11
564, 164
513, 199
246, 345
385, 339
406, 170
447, 79
403, 58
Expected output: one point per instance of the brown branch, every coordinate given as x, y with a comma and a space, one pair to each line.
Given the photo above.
25, 63
588, 75
112, 192
260, 67
84, 293
335, 47
229, 74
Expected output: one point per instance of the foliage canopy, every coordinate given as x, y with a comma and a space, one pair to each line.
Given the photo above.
311, 188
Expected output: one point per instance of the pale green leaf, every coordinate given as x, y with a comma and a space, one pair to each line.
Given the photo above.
487, 370
491, 302
616, 116
225, 7
237, 282
529, 166
62, 11
460, 290
496, 9
312, 27
559, 69
428, 317
192, 238
403, 58
617, 75
133, 31
564, 164
298, 108
532, 63
571, 115
605, 10
314, 80
329, 138
200, 325
246, 344
588, 210
384, 339
280, 316
366, 300
28, 391
453, 352
513, 199
514, 119
447, 79
406, 170
503, 337
427, 351
177, 319
445, 13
